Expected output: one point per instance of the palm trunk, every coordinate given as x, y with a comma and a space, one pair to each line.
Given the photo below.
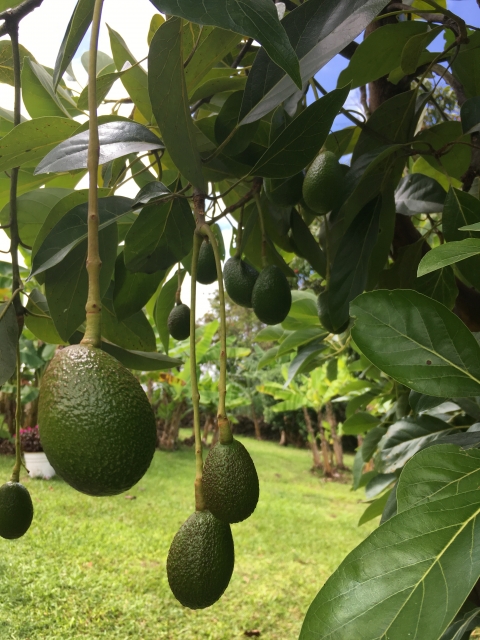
313, 440
327, 467
337, 441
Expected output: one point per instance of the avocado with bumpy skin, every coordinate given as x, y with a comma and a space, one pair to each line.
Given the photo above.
206, 266
239, 278
200, 560
271, 296
284, 192
179, 322
323, 185
16, 510
230, 482
95, 422
324, 315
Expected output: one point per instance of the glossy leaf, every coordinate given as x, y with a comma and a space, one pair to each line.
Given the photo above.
306, 246
152, 190
462, 625
117, 139
227, 120
378, 484
42, 328
140, 360
168, 95
448, 253
359, 423
305, 355
8, 343
417, 193
133, 290
414, 48
301, 141
317, 30
374, 509
257, 19
418, 342
164, 304
76, 30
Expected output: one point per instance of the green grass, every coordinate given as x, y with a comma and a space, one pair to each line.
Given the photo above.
95, 567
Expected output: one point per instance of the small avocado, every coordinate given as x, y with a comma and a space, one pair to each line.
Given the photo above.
324, 315
200, 560
230, 482
206, 266
16, 510
179, 322
271, 296
323, 185
239, 278
284, 192
95, 422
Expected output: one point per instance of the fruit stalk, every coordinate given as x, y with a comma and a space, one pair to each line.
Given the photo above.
93, 307
223, 423
18, 412
262, 228
238, 252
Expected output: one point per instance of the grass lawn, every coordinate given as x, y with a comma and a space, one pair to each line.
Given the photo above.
95, 567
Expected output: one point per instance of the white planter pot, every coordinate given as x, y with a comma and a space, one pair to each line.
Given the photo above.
38, 465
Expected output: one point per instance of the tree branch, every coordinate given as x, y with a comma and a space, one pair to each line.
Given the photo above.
14, 16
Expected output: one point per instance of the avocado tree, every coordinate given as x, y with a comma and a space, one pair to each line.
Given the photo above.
228, 120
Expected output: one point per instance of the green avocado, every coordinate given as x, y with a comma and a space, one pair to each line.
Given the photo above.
324, 315
239, 278
16, 510
179, 322
206, 266
200, 560
284, 192
230, 482
271, 296
96, 424
323, 185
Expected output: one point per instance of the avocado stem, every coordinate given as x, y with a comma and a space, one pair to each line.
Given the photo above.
238, 252
222, 420
262, 228
18, 412
93, 308
178, 292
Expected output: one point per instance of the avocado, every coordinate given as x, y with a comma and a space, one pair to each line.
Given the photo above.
206, 266
324, 315
16, 510
179, 322
323, 185
239, 278
271, 296
230, 482
95, 422
200, 560
284, 192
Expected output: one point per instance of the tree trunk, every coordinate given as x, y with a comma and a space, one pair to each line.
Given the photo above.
169, 437
283, 438
216, 433
337, 441
7, 408
313, 440
327, 467
256, 424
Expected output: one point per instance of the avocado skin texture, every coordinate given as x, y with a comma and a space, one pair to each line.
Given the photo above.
239, 278
200, 560
323, 184
179, 322
230, 482
271, 296
324, 315
16, 510
206, 267
96, 424
284, 192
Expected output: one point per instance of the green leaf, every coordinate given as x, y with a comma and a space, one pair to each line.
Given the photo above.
298, 338
213, 46
6, 61
226, 122
43, 328
362, 598
301, 141
414, 48
268, 358
218, 85
257, 19
32, 139
371, 440
417, 193
270, 334
8, 343
305, 244
76, 30
38, 94
305, 355
164, 304
378, 484
447, 135
374, 509
140, 360
470, 115
359, 423
467, 622
135, 79
418, 342
366, 65
448, 253
168, 95
117, 139
161, 236
303, 312
350, 266
318, 30
104, 84
133, 290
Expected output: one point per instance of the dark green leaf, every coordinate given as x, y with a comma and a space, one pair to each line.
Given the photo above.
218, 85
414, 48
8, 343
374, 509
301, 141
257, 19
168, 95
149, 192
418, 342
359, 423
117, 139
378, 484
305, 355
76, 29
43, 328
417, 193
448, 253
299, 338
133, 290
470, 115
227, 120
447, 136
164, 304
465, 623
305, 244
140, 360
420, 402
213, 46
371, 440
439, 285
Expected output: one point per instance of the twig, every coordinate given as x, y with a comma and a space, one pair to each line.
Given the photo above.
243, 51
13, 17
233, 207
195, 47
18, 412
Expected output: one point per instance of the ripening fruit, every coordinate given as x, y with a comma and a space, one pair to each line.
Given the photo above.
230, 482
179, 322
271, 296
96, 424
323, 184
16, 510
239, 278
324, 315
206, 266
200, 560
284, 192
